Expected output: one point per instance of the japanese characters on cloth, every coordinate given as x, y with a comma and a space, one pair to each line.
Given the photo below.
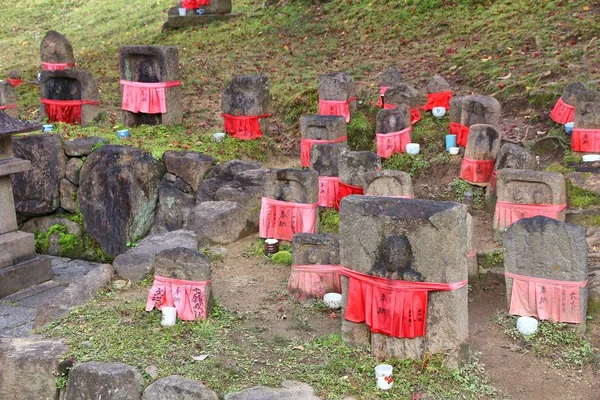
282, 219
381, 100
14, 82
329, 187
144, 97
585, 140
313, 281
391, 307
393, 142
415, 113
439, 99
545, 298
194, 3
346, 190
477, 171
562, 112
7, 106
336, 107
188, 297
306, 146
68, 111
243, 127
461, 132
507, 213
56, 66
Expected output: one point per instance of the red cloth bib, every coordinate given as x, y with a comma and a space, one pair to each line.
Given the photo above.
243, 127
8, 106
194, 3
415, 115
390, 307
562, 112
188, 297
147, 98
507, 213
585, 140
346, 190
393, 142
439, 99
545, 298
314, 281
282, 219
381, 101
461, 132
336, 107
476, 171
306, 145
67, 111
329, 187
14, 82
56, 66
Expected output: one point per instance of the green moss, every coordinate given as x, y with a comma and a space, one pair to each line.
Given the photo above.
282, 257
361, 130
581, 198
330, 221
495, 258
560, 168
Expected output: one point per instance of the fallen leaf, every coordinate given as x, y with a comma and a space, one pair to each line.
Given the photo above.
486, 59
541, 132
452, 68
201, 357
506, 76
301, 348
586, 8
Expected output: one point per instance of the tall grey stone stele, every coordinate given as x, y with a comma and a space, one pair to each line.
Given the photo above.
20, 267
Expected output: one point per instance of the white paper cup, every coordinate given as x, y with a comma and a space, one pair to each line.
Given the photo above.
413, 148
385, 377
527, 325
182, 12
169, 316
333, 300
438, 112
454, 150
218, 137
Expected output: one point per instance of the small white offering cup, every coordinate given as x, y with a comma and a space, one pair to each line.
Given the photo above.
438, 112
218, 137
527, 325
169, 316
182, 12
454, 150
47, 128
413, 148
385, 377
569, 127
333, 300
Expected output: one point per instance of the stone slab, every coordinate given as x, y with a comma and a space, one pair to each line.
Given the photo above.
19, 246
14, 165
13, 316
25, 274
176, 21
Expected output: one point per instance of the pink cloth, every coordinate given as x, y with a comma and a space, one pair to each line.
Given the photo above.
393, 142
545, 298
282, 219
585, 140
314, 281
243, 127
336, 107
390, 307
56, 66
14, 82
381, 100
306, 146
147, 98
507, 213
415, 115
438, 99
329, 187
476, 171
194, 4
346, 190
7, 106
562, 112
188, 297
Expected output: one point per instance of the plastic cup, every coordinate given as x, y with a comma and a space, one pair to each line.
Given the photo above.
385, 377
169, 316
333, 300
123, 134
438, 112
450, 141
47, 128
413, 148
182, 12
569, 127
454, 150
218, 137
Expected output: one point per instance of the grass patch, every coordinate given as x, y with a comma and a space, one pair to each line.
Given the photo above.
459, 187
330, 221
495, 258
581, 198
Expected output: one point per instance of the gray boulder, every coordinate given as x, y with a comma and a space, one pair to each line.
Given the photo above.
174, 206
73, 170
176, 387
189, 166
84, 146
290, 390
219, 222
56, 49
97, 380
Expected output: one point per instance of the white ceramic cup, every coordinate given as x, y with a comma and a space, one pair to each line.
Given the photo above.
182, 12
413, 148
438, 112
333, 300
527, 325
385, 377
218, 137
169, 316
454, 150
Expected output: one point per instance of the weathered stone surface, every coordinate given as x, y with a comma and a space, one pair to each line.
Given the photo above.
174, 206
96, 380
215, 7
480, 109
8, 97
438, 84
18, 276
391, 77
117, 195
393, 120
16, 247
178, 183
542, 247
12, 317
316, 248
483, 142
65, 270
322, 127
176, 21
227, 171
353, 165
8, 218
514, 156
404, 93
176, 387
189, 166
246, 95
139, 261
338, 86
219, 222
182, 263
14, 74
455, 112
388, 183
73, 170
585, 180
76, 294
324, 157
401, 239
82, 146
472, 265
293, 185
37, 191
29, 368
573, 91
290, 390
56, 49
43, 225
68, 196
587, 110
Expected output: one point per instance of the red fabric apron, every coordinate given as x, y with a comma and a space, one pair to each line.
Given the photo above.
390, 307
306, 145
147, 98
381, 100
346, 190
329, 187
188, 297
336, 107
393, 142
14, 82
282, 219
56, 66
507, 213
585, 140
243, 127
314, 281
562, 112
194, 3
545, 298
461, 132
439, 99
476, 171
415, 113
67, 111
7, 106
